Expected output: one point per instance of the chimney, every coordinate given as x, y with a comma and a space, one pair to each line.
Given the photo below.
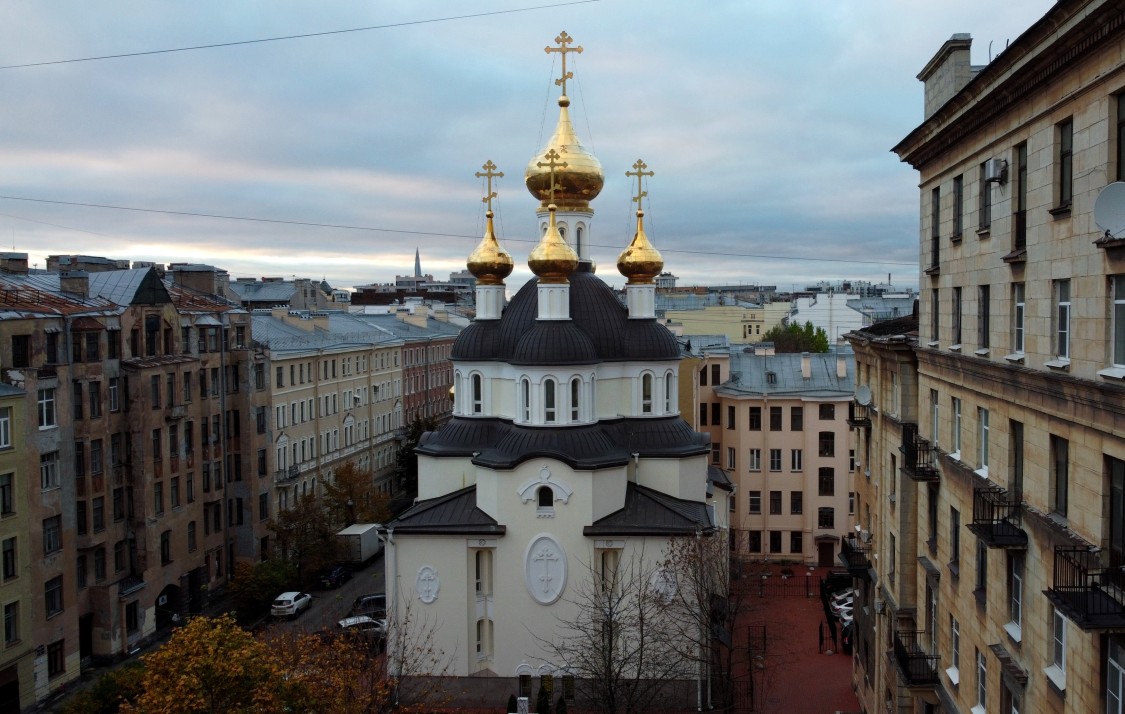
841, 365
806, 365
947, 73
13, 263
75, 282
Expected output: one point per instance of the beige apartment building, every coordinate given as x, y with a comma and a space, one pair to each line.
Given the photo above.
779, 428
1017, 463
18, 593
742, 324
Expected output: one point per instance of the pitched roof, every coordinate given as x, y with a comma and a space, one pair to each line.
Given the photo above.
454, 513
139, 286
781, 374
650, 512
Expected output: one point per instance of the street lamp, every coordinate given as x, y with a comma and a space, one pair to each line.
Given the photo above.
351, 511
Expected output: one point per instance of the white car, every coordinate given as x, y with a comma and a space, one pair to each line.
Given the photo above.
843, 595
290, 604
363, 625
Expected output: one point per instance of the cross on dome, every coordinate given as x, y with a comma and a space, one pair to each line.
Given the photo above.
489, 173
640, 173
564, 39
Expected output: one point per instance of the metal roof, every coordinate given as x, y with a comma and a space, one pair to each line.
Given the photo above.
651, 512
751, 374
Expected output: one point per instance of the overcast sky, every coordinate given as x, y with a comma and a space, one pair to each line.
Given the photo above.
768, 123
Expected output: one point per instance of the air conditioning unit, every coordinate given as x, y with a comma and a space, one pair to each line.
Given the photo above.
996, 171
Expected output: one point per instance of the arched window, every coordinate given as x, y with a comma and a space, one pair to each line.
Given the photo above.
562, 232
477, 398
525, 399
646, 393
545, 497
669, 390
579, 235
575, 391
549, 401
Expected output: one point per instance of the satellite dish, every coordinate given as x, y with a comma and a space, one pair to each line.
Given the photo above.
863, 395
1109, 209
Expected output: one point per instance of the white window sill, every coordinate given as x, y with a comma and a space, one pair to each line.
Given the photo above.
935, 343
1057, 677
544, 513
978, 709
1014, 631
954, 675
1114, 372
955, 348
1016, 357
983, 352
956, 455
982, 472
1061, 364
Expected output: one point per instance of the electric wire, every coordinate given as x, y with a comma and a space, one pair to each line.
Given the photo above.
402, 231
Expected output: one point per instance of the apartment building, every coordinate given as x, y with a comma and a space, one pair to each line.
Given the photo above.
17, 591
136, 395
779, 427
1018, 457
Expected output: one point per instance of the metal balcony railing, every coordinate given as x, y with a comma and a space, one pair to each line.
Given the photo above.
919, 460
859, 414
1086, 590
856, 556
284, 476
917, 667
997, 518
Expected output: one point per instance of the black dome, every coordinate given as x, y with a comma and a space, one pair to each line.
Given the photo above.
595, 312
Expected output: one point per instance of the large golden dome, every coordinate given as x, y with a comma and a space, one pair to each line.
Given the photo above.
576, 184
552, 260
640, 262
489, 262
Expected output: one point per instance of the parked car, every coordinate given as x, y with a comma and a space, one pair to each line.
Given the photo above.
843, 595
290, 604
370, 604
335, 576
364, 624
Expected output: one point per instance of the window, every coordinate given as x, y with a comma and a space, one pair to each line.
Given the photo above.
99, 514
851, 503
53, 596
796, 502
982, 441
47, 408
958, 206
796, 541
984, 307
754, 541
545, 497
1057, 669
775, 418
10, 561
114, 398
730, 457
730, 416
49, 470
669, 394
714, 453
827, 442
97, 461
755, 498
755, 418
166, 547
755, 459
52, 535
982, 685
827, 481
1062, 318
1018, 314
646, 394
1115, 676
703, 376
797, 419
775, 459
5, 428
827, 412
826, 517
796, 459
954, 536
956, 310
775, 541
716, 380
1065, 159
11, 623
982, 571
955, 429
575, 402
7, 494
21, 351
1060, 474
99, 565
935, 227
775, 503
1020, 204
984, 200
158, 497
175, 495
954, 649
1015, 596
549, 396
478, 396
935, 315
56, 656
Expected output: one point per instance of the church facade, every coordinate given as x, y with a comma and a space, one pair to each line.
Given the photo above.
566, 458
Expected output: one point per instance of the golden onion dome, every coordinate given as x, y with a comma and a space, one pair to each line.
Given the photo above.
552, 260
576, 183
489, 262
640, 262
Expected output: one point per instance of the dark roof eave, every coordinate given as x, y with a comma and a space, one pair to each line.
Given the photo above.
600, 531
497, 530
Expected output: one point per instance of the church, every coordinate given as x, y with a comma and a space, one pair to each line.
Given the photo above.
566, 456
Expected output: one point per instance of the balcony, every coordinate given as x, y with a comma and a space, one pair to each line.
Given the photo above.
856, 556
129, 585
288, 475
859, 414
916, 668
1086, 590
918, 456
175, 413
997, 519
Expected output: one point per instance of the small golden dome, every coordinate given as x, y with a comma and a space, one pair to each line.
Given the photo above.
582, 178
489, 262
552, 260
641, 261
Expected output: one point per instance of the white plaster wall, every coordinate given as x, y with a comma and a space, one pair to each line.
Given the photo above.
681, 478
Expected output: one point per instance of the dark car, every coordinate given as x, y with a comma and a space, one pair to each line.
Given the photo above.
335, 576
370, 604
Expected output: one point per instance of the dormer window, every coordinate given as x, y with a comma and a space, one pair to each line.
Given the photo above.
549, 397
477, 394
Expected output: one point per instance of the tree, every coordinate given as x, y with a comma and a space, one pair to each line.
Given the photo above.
255, 585
350, 497
306, 536
406, 461
212, 666
619, 642
106, 696
338, 674
797, 338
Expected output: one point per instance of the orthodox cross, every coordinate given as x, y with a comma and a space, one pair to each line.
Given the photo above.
640, 173
546, 556
551, 163
489, 173
564, 39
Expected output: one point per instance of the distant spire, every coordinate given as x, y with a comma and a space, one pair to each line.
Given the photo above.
417, 264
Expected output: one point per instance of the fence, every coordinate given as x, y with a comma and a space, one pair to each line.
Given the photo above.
777, 586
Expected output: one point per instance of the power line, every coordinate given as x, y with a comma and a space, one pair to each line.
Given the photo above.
373, 229
296, 37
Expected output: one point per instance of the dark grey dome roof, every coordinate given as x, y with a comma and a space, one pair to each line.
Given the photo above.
595, 312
